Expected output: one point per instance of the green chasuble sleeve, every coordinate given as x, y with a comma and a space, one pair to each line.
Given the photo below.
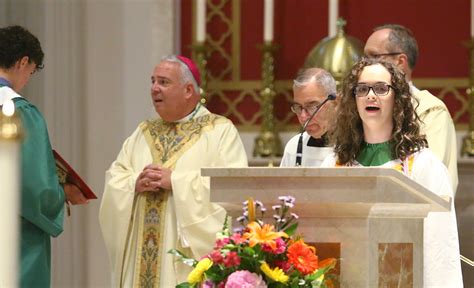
42, 198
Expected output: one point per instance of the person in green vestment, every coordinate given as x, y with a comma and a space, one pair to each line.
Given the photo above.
42, 196
377, 126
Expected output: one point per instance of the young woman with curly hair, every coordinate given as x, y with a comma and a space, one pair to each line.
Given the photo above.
377, 126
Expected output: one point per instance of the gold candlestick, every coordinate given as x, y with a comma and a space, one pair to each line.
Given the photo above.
468, 141
268, 142
200, 54
10, 126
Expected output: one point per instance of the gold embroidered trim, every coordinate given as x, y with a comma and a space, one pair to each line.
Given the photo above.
432, 109
150, 241
400, 166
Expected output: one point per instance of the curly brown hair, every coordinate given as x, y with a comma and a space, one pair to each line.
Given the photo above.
348, 133
15, 43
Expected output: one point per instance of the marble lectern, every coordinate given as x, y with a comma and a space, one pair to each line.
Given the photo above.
374, 214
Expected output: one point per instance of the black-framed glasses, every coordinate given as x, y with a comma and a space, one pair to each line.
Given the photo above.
309, 108
383, 54
380, 89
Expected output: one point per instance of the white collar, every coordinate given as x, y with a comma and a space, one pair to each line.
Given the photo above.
413, 89
7, 94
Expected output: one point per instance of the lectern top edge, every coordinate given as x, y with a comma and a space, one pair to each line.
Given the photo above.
376, 174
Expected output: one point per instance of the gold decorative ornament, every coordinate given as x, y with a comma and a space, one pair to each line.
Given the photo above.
268, 142
10, 126
468, 141
336, 54
200, 57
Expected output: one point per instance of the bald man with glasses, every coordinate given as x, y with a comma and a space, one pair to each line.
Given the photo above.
396, 44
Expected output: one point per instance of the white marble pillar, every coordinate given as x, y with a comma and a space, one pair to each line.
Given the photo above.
118, 84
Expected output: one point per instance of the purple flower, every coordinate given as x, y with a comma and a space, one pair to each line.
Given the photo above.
287, 199
245, 279
238, 230
241, 218
207, 284
289, 204
276, 207
294, 216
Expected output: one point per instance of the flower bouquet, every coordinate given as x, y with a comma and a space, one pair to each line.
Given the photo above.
260, 255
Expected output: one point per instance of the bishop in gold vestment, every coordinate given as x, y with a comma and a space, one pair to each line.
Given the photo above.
141, 215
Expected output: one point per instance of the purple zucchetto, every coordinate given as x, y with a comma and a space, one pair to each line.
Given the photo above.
192, 67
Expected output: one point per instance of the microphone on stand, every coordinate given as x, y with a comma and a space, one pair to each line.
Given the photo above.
299, 148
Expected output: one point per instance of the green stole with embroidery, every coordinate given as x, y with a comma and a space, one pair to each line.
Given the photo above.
167, 142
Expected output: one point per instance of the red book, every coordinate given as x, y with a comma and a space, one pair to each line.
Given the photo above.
67, 175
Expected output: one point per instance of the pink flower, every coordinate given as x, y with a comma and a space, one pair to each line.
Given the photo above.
280, 247
221, 243
232, 259
283, 265
245, 279
237, 238
216, 257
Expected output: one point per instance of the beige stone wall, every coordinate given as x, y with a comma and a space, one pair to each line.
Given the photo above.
465, 216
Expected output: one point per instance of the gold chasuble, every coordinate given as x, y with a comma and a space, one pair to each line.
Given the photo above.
139, 229
168, 141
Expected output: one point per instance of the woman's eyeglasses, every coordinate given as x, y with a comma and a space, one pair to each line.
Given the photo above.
380, 89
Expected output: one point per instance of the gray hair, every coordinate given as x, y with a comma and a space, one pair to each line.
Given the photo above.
186, 75
401, 39
316, 75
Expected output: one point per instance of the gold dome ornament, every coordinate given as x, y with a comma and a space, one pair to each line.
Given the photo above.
336, 54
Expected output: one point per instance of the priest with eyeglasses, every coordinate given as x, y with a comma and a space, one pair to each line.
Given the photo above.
312, 89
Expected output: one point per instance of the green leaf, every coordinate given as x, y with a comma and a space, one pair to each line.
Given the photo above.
249, 251
292, 229
185, 285
314, 276
183, 258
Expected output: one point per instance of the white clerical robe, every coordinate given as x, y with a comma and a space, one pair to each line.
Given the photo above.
312, 156
438, 127
191, 221
441, 258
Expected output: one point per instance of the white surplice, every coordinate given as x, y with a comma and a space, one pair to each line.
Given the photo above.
441, 258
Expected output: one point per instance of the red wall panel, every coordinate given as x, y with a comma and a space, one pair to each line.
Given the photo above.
441, 27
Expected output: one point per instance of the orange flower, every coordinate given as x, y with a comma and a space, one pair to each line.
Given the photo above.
303, 257
262, 235
328, 262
